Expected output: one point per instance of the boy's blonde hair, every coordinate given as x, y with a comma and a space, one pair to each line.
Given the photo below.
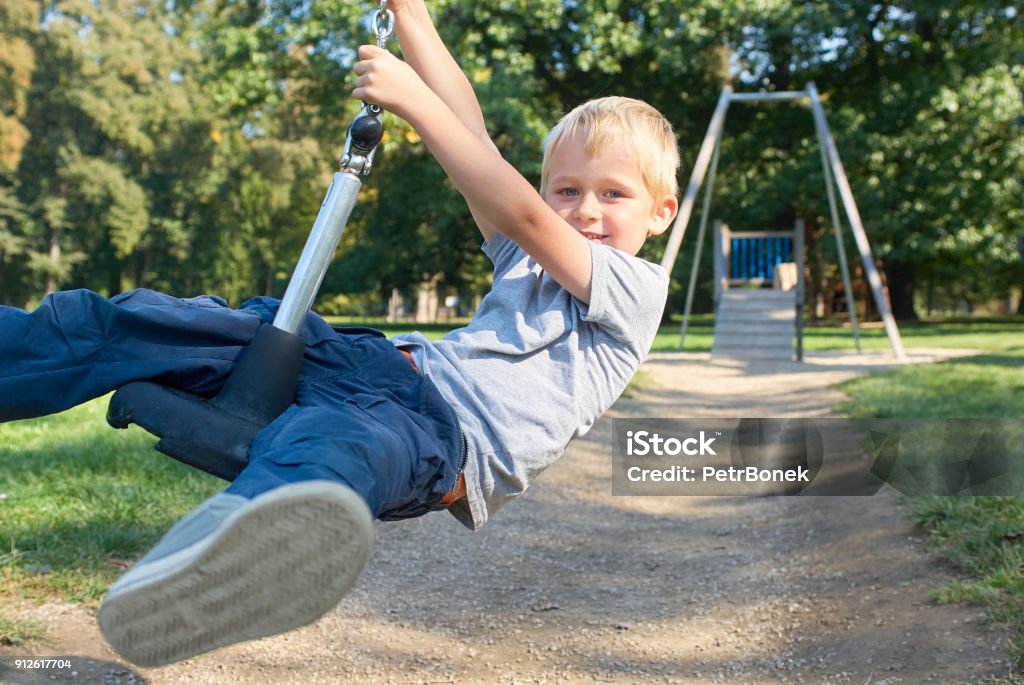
636, 123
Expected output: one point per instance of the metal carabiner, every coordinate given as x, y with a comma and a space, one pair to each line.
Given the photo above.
364, 135
367, 129
383, 24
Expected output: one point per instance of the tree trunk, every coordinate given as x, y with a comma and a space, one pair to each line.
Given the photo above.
900, 279
147, 264
395, 306
426, 299
118, 281
51, 277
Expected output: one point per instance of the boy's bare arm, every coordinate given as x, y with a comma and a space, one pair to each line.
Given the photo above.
427, 54
497, 193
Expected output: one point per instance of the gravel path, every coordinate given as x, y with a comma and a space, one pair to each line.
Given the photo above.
573, 585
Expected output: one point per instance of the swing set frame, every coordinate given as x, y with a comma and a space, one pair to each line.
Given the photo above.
835, 177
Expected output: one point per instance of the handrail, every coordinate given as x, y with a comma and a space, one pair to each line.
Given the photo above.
761, 234
798, 249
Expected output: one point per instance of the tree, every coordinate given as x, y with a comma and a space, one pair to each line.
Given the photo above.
18, 23
119, 136
925, 104
187, 145
939, 124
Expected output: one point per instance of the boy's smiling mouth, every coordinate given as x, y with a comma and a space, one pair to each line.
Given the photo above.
593, 237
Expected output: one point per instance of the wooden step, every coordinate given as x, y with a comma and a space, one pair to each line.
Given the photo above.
752, 353
755, 325
788, 315
760, 295
756, 340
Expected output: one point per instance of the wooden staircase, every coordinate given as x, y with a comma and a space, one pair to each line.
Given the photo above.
755, 324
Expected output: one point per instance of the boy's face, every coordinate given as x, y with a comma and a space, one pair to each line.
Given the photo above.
604, 197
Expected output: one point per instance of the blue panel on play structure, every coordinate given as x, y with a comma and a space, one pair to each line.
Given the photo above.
754, 259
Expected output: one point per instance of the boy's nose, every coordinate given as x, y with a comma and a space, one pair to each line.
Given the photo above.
586, 209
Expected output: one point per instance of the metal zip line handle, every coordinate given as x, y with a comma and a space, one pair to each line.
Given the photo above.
364, 135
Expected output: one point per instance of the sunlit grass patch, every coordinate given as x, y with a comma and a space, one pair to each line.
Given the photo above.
18, 631
79, 501
984, 386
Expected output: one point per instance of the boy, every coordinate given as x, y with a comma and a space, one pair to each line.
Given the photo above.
385, 429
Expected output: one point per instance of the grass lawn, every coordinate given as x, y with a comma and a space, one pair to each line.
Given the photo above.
983, 537
986, 334
78, 499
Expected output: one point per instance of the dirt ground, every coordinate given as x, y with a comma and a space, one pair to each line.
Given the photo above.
574, 585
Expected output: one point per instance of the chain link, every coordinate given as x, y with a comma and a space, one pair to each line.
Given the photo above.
383, 23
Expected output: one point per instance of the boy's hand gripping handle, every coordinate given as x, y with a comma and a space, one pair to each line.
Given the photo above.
367, 129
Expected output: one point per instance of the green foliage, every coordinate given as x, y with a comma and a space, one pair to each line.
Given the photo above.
187, 145
17, 61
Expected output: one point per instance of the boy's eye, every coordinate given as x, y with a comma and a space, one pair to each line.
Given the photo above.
568, 192
615, 194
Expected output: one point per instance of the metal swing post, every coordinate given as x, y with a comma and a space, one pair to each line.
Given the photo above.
215, 435
856, 226
700, 168
709, 190
708, 155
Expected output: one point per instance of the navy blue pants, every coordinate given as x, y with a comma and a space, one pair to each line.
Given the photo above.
362, 415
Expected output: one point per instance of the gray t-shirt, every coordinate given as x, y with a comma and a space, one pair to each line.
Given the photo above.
536, 367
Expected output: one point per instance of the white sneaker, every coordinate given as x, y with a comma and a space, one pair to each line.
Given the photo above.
236, 569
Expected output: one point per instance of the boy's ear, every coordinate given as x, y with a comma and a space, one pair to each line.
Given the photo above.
663, 215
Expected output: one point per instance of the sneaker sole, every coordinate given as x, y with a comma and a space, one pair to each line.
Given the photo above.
281, 561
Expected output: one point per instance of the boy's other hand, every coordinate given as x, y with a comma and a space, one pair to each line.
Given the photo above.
385, 80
